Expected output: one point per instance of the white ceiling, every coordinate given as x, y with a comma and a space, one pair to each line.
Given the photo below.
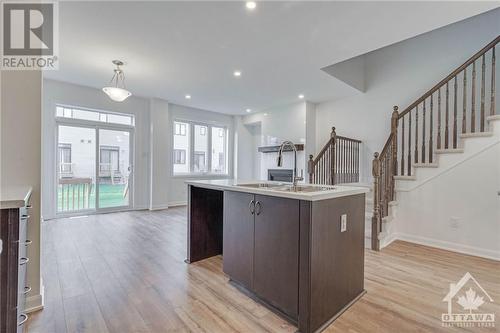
177, 48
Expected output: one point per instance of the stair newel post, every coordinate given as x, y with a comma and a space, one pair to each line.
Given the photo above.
333, 146
310, 169
376, 220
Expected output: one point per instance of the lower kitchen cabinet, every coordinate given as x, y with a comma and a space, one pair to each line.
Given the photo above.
261, 247
238, 237
276, 252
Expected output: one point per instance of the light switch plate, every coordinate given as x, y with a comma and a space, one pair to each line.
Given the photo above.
343, 223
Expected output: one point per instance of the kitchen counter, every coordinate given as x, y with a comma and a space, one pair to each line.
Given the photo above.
336, 191
298, 250
14, 196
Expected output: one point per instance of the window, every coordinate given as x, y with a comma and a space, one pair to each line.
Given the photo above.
109, 157
65, 169
180, 129
94, 115
179, 156
219, 150
199, 148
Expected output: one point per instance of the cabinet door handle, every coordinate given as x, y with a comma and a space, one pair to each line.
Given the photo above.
25, 318
258, 208
23, 261
27, 290
25, 217
251, 207
28, 242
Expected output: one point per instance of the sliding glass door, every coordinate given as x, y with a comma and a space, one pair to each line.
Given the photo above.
94, 171
114, 168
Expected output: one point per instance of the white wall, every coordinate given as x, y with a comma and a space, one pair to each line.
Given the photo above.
155, 187
21, 106
160, 158
56, 92
270, 128
459, 210
399, 74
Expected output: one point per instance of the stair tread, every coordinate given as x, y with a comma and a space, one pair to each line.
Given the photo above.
425, 165
405, 178
449, 151
476, 135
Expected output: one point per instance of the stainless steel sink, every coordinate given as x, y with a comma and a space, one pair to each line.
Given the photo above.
261, 185
287, 188
302, 188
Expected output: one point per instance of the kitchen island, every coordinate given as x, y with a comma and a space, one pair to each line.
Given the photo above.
299, 250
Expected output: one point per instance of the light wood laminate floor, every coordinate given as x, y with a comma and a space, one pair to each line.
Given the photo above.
124, 272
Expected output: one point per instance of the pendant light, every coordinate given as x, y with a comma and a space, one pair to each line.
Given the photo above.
117, 92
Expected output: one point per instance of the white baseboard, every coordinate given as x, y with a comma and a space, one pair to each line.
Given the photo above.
445, 245
177, 203
159, 207
35, 302
386, 241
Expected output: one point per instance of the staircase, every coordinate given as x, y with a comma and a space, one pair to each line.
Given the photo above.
452, 121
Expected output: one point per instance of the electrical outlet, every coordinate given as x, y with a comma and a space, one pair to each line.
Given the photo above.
454, 223
343, 223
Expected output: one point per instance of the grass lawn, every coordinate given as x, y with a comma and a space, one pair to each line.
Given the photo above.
109, 196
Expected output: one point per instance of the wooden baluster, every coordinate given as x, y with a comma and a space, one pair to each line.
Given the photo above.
403, 146
334, 141
464, 103
376, 220
473, 100
431, 130
439, 120
416, 134
455, 114
483, 88
409, 144
423, 133
310, 169
492, 103
394, 146
447, 118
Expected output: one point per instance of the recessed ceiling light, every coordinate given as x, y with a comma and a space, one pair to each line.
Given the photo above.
248, 110
251, 5
237, 73
187, 96
301, 96
265, 114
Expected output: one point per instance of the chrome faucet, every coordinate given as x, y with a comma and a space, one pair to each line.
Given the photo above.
280, 161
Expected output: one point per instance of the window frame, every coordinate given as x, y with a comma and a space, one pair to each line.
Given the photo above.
208, 133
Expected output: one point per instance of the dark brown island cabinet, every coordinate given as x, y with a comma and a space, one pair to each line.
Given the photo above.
14, 219
291, 252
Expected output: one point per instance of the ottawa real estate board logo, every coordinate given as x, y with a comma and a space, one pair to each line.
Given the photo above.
470, 298
30, 39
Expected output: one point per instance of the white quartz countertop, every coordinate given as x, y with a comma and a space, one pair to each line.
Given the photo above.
335, 191
14, 196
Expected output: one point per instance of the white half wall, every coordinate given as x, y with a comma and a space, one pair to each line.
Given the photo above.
458, 210
20, 117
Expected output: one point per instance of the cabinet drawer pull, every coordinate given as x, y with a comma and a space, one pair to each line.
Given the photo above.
23, 261
28, 242
25, 217
29, 206
25, 318
26, 290
258, 207
251, 207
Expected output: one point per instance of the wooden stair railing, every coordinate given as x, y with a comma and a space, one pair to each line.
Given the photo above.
337, 162
417, 125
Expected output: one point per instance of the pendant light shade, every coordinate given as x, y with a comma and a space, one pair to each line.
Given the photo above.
117, 92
